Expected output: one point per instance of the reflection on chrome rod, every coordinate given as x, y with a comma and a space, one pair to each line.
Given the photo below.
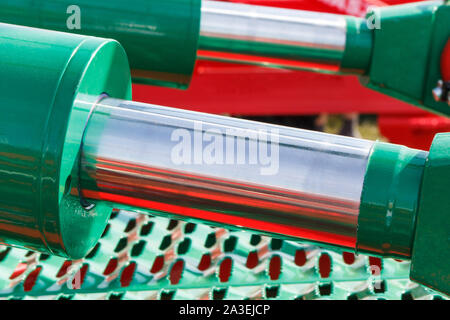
227, 171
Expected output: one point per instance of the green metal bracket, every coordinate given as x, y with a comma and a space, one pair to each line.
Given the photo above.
389, 200
407, 49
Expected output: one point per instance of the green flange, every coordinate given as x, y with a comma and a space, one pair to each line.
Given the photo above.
430, 263
408, 44
159, 36
50, 81
389, 200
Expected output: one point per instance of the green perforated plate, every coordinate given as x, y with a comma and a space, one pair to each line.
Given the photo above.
144, 257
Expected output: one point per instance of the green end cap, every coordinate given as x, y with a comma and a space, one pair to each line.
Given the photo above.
389, 200
358, 47
430, 263
52, 79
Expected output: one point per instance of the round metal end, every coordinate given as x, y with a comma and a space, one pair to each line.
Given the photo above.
53, 78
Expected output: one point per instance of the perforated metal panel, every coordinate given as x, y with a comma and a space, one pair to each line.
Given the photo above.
143, 257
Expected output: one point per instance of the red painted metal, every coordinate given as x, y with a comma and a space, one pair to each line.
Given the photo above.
226, 88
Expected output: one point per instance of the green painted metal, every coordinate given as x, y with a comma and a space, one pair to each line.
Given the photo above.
147, 248
271, 50
355, 58
404, 212
160, 37
358, 48
430, 264
52, 80
389, 200
406, 52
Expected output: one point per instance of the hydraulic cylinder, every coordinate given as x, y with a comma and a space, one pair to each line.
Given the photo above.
396, 50
73, 146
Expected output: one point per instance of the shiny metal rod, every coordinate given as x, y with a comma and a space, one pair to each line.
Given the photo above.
226, 171
270, 36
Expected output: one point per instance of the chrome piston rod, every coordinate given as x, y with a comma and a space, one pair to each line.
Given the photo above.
229, 172
277, 37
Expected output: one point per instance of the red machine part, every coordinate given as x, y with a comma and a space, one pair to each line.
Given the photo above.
225, 88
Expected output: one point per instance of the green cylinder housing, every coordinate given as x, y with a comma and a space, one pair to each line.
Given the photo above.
159, 37
50, 82
358, 48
